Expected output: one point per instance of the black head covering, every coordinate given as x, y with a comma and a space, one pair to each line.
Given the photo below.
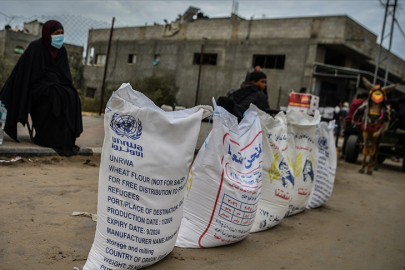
48, 28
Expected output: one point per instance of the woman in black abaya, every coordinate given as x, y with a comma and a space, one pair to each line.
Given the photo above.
41, 84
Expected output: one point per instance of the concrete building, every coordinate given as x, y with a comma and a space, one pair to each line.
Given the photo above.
13, 42
325, 55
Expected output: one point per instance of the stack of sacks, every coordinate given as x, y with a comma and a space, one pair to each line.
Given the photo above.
326, 165
278, 180
301, 156
143, 172
224, 183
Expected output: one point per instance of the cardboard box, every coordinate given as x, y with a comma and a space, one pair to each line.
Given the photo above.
306, 103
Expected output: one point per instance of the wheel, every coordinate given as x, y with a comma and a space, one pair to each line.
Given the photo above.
344, 145
380, 159
352, 149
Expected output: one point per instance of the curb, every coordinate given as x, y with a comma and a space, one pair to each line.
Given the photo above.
38, 152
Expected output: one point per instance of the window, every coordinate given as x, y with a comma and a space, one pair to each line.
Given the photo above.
333, 58
18, 50
207, 59
90, 56
156, 60
131, 59
269, 61
101, 59
90, 92
329, 95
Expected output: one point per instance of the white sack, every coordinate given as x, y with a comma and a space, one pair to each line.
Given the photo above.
224, 184
278, 181
326, 165
143, 172
301, 156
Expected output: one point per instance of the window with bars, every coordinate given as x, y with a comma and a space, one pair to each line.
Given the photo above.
207, 59
131, 59
90, 92
101, 59
268, 61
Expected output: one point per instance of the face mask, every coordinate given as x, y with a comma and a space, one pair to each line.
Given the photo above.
57, 41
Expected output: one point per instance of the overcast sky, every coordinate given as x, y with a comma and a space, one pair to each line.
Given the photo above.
369, 13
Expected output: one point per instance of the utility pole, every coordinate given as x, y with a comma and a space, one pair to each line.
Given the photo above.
389, 11
199, 74
105, 67
387, 68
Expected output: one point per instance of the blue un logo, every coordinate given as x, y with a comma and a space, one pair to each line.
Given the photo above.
323, 143
127, 126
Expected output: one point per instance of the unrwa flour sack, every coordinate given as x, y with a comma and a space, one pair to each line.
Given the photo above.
325, 169
224, 183
277, 179
143, 172
301, 129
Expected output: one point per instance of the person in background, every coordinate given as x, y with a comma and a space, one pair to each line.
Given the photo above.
356, 103
250, 92
258, 69
41, 85
336, 117
397, 107
344, 111
349, 129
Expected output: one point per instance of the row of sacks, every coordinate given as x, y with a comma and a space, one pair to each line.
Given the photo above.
246, 177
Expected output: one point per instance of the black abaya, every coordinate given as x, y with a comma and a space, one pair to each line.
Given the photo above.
43, 87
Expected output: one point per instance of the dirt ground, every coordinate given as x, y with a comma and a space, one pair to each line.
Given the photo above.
362, 226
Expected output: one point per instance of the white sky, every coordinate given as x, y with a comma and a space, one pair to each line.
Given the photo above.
369, 13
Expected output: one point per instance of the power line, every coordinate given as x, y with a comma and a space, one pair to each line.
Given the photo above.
400, 29
389, 11
4, 15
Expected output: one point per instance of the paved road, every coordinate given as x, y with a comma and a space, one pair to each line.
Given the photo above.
360, 227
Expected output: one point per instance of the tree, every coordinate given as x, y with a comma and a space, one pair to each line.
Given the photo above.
77, 69
161, 90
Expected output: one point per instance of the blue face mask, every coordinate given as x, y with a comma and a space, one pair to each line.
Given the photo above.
57, 41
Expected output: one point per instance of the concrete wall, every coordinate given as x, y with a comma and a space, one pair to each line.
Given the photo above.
359, 38
33, 28
397, 65
73, 50
176, 60
235, 41
13, 39
2, 42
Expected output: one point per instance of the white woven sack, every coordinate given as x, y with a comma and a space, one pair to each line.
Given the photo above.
325, 166
224, 184
143, 172
278, 181
301, 156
